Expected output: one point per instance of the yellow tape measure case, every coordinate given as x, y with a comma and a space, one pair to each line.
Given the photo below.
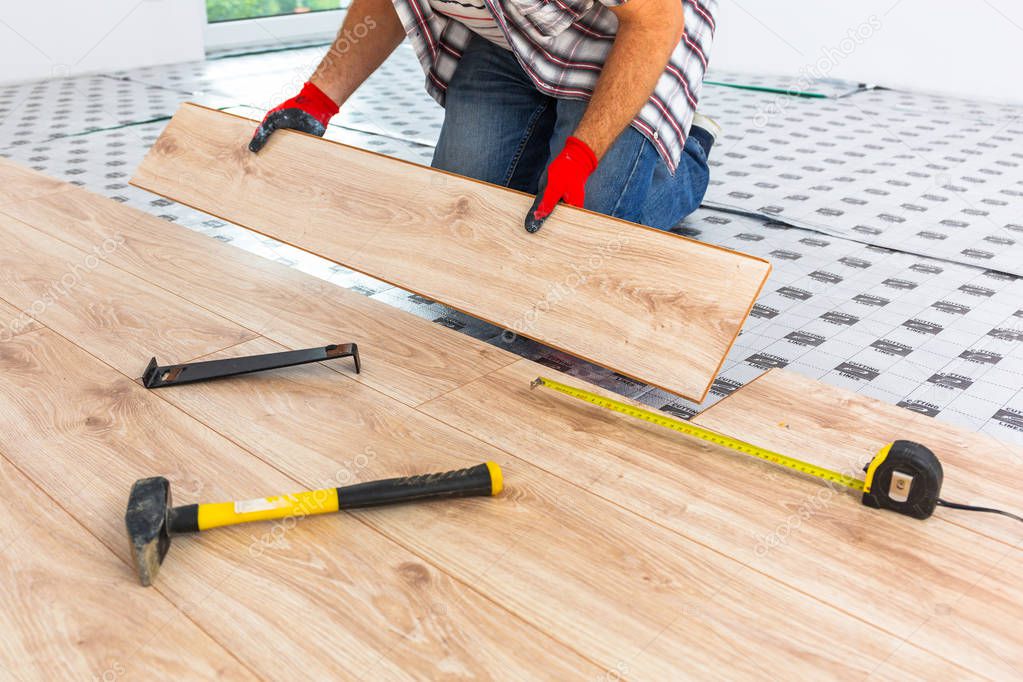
904, 477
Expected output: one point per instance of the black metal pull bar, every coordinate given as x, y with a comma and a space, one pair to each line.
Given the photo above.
174, 375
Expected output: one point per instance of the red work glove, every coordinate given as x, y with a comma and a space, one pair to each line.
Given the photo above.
566, 180
308, 111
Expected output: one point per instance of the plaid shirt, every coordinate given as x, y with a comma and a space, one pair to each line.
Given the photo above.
562, 46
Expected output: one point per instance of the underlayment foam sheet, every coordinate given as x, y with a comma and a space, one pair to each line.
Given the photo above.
944, 339
40, 110
877, 168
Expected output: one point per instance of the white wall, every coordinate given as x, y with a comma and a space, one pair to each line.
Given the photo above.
44, 38
971, 48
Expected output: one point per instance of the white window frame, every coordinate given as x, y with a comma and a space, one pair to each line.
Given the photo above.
268, 32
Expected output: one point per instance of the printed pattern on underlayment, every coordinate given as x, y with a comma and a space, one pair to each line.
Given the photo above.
921, 174
392, 103
41, 110
940, 338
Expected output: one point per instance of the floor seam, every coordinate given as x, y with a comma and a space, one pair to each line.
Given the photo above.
177, 610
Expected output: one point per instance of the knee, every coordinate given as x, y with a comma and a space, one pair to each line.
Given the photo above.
675, 197
620, 192
613, 202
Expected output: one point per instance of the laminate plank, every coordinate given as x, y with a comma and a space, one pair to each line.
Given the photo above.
646, 303
18, 183
811, 420
405, 357
892, 571
64, 612
14, 322
328, 596
118, 317
636, 598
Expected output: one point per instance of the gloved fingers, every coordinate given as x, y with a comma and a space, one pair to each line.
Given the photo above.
534, 223
292, 119
263, 132
566, 181
551, 196
546, 201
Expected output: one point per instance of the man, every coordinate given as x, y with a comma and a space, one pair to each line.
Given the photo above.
606, 91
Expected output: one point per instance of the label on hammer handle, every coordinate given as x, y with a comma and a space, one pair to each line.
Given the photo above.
258, 505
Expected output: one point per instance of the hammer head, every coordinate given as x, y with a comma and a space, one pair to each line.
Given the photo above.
146, 520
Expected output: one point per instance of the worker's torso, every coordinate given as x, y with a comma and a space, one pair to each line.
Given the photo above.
562, 46
475, 15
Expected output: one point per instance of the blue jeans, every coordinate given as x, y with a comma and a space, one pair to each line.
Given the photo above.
500, 129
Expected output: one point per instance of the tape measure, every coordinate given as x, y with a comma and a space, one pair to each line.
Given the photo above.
904, 476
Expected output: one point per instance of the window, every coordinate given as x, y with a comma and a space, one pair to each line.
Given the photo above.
233, 25
229, 10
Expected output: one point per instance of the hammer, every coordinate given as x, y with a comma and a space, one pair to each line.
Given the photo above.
151, 519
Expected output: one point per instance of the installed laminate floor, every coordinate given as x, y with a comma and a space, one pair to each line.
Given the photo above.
617, 549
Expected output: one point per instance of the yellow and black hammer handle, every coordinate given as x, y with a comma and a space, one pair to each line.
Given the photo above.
480, 480
152, 520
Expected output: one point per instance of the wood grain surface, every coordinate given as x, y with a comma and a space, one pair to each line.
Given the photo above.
402, 356
118, 317
18, 183
630, 593
64, 610
328, 596
810, 420
14, 321
649, 304
891, 571
619, 550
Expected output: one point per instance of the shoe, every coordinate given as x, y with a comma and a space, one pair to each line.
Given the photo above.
708, 124
705, 130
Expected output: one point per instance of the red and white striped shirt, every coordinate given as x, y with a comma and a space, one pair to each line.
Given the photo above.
476, 15
562, 45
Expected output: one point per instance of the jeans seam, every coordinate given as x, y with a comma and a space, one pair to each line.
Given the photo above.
530, 127
628, 181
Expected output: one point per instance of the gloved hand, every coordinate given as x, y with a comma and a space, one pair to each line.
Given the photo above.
308, 111
566, 180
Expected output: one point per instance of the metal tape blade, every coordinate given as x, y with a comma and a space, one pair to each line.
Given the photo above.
702, 433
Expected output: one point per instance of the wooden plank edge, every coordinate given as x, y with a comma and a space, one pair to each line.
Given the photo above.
508, 358
113, 556
7, 329
626, 509
63, 186
300, 484
949, 519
